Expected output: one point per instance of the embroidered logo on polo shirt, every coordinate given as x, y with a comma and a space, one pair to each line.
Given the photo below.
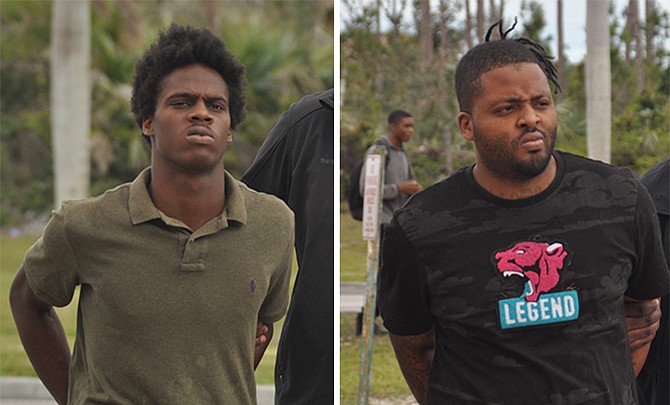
540, 264
252, 286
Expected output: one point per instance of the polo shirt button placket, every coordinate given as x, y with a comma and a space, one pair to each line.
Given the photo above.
190, 260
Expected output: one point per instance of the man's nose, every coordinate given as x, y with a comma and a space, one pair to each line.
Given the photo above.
528, 117
200, 112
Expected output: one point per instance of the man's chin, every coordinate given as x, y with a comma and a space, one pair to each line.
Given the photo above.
535, 165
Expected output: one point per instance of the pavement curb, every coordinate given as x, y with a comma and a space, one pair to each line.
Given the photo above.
22, 388
31, 390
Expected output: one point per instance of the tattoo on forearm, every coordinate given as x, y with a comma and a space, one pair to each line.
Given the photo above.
415, 357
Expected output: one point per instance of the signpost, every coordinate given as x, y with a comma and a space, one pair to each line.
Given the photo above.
372, 209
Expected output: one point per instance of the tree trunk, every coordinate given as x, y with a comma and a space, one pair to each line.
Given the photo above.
212, 16
650, 30
378, 17
628, 33
425, 36
468, 25
444, 92
637, 38
131, 36
480, 21
71, 98
598, 80
561, 45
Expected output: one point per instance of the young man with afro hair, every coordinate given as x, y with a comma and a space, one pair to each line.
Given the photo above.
172, 285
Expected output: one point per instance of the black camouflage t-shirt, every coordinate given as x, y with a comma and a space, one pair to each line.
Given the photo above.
526, 296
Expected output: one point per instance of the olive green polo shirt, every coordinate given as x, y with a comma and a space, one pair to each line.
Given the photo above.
166, 315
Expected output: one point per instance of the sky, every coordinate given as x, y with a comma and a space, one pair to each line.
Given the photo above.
574, 20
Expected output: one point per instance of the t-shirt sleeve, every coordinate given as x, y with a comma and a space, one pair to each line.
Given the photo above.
51, 266
650, 276
403, 292
276, 301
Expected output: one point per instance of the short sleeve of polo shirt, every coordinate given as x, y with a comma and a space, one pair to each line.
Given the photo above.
403, 292
276, 301
51, 265
650, 276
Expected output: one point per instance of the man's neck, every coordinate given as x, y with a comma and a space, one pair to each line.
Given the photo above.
510, 189
395, 141
191, 199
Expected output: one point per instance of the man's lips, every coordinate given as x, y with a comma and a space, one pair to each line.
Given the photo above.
532, 140
200, 135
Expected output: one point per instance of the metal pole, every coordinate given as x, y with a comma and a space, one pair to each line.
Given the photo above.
372, 210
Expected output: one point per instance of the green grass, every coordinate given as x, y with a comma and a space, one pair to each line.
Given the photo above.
353, 250
386, 380
13, 360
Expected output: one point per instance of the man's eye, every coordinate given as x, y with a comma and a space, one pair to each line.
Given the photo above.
219, 107
505, 109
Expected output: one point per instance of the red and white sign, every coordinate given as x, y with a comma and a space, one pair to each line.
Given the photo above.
371, 196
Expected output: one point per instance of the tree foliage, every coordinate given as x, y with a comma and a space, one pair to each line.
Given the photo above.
286, 56
381, 71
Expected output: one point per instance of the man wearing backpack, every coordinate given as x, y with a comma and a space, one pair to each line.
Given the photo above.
399, 180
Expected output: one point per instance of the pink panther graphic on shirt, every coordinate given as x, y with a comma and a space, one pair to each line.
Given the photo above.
536, 261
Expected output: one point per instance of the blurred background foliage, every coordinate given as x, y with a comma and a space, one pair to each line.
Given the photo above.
384, 66
286, 56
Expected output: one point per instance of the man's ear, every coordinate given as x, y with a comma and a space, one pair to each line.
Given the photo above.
393, 127
148, 127
229, 137
465, 125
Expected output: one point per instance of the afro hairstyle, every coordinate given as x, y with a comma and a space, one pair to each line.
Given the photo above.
178, 47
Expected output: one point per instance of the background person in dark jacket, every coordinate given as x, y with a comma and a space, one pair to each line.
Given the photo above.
654, 378
296, 164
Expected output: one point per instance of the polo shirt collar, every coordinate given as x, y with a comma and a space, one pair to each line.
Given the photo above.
142, 209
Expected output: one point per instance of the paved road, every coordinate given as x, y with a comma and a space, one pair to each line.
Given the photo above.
352, 297
30, 391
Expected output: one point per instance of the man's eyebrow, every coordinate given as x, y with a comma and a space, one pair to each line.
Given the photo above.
181, 95
505, 100
217, 98
192, 96
516, 100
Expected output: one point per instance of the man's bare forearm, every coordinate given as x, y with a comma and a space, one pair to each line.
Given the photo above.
642, 322
43, 337
415, 357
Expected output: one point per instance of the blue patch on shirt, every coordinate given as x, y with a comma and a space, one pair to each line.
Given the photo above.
549, 308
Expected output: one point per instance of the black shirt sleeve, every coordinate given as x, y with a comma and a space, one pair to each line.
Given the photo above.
403, 291
650, 276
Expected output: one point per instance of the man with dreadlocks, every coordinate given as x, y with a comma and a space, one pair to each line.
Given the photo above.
505, 283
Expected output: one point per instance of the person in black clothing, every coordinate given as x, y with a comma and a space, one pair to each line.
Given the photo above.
296, 164
653, 380
507, 281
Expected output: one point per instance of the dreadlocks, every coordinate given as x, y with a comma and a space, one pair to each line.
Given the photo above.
493, 54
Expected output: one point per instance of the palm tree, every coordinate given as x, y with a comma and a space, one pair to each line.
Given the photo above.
598, 81
71, 98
